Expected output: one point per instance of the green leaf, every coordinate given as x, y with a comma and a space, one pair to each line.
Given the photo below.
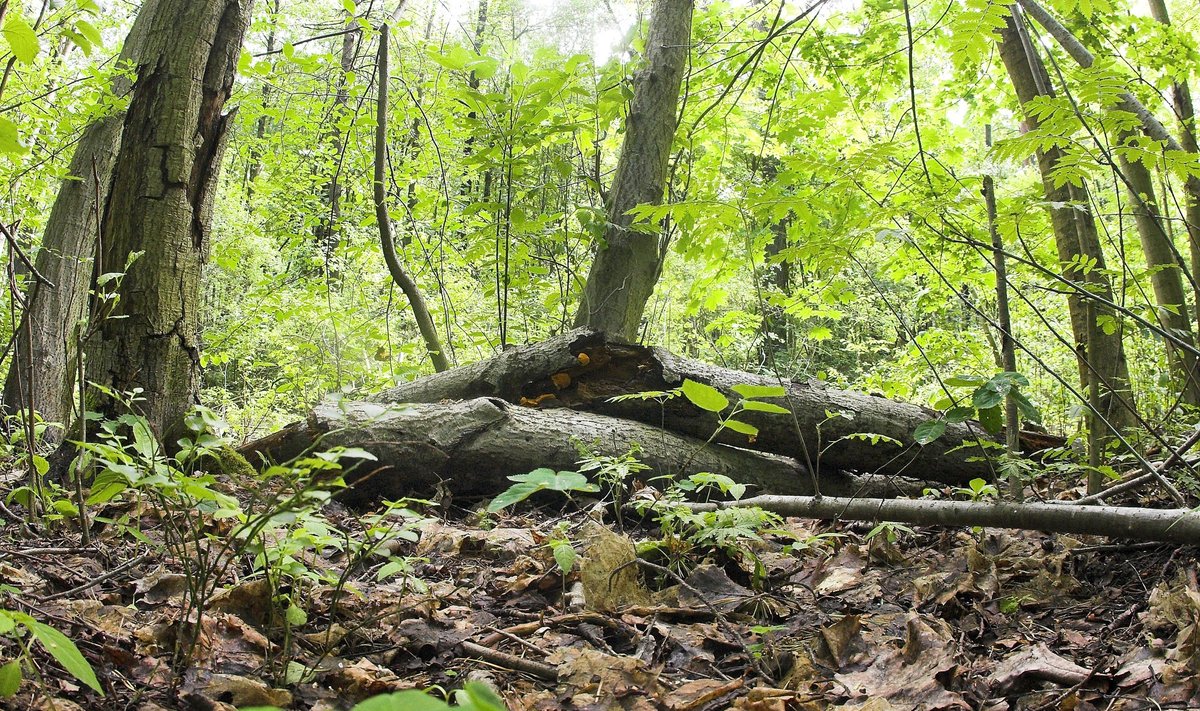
21, 38
540, 480
295, 615
89, 30
350, 7
480, 697
65, 653
986, 398
402, 701
991, 419
564, 555
956, 415
962, 381
10, 138
927, 432
753, 392
742, 427
10, 679
757, 406
704, 396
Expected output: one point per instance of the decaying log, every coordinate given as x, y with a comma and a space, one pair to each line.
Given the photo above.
473, 445
1164, 525
582, 370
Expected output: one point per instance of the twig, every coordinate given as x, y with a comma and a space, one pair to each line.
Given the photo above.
97, 580
509, 661
16, 248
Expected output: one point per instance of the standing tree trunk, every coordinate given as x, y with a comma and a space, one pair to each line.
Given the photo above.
327, 232
628, 263
1165, 279
1100, 355
160, 204
43, 370
1185, 112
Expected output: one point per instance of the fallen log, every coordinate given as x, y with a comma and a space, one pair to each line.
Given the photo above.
827, 428
1162, 525
471, 446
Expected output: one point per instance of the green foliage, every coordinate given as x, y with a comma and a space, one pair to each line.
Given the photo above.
540, 480
14, 625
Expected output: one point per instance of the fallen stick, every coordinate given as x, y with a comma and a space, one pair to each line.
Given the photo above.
1164, 525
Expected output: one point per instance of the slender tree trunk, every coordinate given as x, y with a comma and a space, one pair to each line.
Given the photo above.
327, 232
260, 128
629, 261
399, 274
776, 280
1100, 355
160, 204
1165, 277
43, 369
1185, 113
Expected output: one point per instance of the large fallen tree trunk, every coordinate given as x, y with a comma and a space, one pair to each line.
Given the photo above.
827, 429
1166, 525
473, 445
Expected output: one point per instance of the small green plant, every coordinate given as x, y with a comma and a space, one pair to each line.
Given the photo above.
613, 472
540, 480
709, 398
978, 490
19, 628
986, 404
474, 696
888, 531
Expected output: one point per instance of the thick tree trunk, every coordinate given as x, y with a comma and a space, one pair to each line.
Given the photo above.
1100, 355
582, 370
43, 371
1165, 279
160, 204
471, 446
628, 263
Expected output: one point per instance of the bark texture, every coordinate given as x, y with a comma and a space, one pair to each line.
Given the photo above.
473, 445
628, 263
1166, 280
1166, 525
160, 204
583, 370
44, 367
1100, 355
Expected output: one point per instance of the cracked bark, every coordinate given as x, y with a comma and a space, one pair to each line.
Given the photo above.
160, 204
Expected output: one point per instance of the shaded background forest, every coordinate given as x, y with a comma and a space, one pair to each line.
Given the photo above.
824, 212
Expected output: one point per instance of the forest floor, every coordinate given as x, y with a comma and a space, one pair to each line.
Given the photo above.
934, 619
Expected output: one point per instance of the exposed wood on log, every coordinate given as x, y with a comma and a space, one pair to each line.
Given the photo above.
473, 445
582, 370
1166, 525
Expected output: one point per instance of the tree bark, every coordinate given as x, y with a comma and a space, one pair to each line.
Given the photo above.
1100, 356
628, 263
43, 369
328, 229
583, 370
1185, 113
1165, 525
471, 446
160, 204
400, 275
1165, 279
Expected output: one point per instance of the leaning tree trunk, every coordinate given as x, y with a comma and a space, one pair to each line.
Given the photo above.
1100, 355
160, 205
43, 371
629, 261
328, 230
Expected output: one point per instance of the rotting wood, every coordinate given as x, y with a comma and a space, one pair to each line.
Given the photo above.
472, 446
583, 370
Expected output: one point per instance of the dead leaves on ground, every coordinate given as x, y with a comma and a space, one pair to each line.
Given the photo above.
944, 621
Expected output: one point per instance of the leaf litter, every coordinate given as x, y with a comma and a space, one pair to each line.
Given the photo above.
939, 619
